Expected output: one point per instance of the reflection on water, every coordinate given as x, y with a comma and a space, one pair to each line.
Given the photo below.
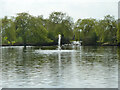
0, 68
118, 51
72, 67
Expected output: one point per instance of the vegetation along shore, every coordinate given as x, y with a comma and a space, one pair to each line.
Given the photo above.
25, 29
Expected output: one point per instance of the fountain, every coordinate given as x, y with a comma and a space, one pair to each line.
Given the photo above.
59, 41
54, 51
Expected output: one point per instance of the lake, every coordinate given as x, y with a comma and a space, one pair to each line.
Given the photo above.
71, 67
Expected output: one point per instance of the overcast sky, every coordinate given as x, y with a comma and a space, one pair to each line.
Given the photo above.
74, 8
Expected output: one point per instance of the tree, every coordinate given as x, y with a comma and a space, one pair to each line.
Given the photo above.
38, 33
35, 30
8, 31
118, 34
22, 26
31, 29
60, 23
0, 31
106, 30
84, 30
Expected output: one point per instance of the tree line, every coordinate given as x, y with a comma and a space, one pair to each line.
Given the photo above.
26, 29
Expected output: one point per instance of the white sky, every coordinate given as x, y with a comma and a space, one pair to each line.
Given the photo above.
74, 8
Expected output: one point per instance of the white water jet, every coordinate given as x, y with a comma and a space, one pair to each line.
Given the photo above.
59, 42
54, 51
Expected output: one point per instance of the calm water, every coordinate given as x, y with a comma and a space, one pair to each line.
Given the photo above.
72, 67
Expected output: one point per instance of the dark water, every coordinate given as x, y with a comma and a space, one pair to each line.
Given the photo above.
72, 67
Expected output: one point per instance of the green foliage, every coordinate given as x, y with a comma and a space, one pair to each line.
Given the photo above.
118, 52
60, 23
6, 41
13, 42
0, 31
106, 30
22, 22
19, 40
30, 29
8, 30
118, 34
84, 30
91, 31
27, 29
90, 39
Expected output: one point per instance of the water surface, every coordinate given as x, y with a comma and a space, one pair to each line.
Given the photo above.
72, 67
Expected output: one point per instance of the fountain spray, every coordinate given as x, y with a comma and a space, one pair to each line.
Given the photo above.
59, 42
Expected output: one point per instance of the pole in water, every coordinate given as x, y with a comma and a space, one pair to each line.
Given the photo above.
59, 42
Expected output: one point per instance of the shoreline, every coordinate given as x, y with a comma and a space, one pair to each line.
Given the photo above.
55, 45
